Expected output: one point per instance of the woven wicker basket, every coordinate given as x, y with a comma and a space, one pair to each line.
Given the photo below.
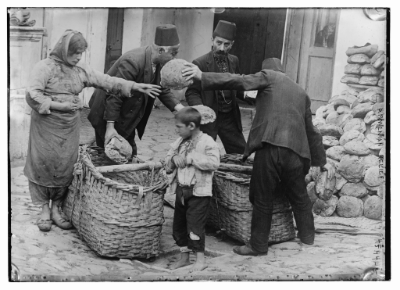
118, 214
231, 209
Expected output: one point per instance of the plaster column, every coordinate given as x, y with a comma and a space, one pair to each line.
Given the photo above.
25, 52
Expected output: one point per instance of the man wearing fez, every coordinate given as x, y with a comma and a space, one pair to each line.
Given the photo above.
228, 124
285, 143
112, 115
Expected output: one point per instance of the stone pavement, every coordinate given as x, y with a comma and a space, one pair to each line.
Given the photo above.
61, 256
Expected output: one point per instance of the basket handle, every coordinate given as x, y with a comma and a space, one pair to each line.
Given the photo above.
130, 167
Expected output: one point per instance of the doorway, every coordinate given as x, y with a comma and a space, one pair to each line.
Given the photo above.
115, 27
259, 35
310, 48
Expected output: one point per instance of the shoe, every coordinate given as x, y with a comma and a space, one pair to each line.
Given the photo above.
62, 223
44, 225
62, 214
247, 251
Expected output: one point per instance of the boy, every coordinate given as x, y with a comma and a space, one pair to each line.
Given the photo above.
190, 165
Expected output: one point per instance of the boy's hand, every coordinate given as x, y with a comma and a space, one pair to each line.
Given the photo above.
179, 161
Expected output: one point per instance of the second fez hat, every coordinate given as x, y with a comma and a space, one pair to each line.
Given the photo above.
166, 35
225, 30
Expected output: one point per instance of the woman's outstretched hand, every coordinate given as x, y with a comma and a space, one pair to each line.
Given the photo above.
148, 89
191, 71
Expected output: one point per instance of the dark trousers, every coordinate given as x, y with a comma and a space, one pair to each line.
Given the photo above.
100, 138
274, 164
226, 128
190, 218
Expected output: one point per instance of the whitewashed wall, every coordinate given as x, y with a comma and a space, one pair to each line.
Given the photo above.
132, 31
354, 29
194, 28
92, 23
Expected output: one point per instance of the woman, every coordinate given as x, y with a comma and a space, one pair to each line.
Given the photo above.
55, 120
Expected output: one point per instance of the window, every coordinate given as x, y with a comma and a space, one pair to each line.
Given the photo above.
325, 28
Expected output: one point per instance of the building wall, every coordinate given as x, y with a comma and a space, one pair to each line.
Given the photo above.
132, 31
354, 29
25, 53
92, 23
194, 28
37, 14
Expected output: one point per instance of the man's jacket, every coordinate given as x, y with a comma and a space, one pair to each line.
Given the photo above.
129, 113
283, 115
196, 96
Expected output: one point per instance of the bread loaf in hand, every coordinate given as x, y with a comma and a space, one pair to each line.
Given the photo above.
118, 150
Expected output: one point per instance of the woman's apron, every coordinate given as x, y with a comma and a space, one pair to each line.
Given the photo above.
53, 148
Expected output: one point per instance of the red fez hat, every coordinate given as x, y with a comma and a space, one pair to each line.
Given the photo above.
166, 35
225, 30
273, 64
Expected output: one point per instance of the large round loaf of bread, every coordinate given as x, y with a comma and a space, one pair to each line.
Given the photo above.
171, 75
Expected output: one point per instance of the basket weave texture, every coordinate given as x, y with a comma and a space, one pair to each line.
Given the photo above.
231, 210
118, 214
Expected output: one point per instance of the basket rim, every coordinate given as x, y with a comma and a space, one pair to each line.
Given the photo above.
231, 177
84, 159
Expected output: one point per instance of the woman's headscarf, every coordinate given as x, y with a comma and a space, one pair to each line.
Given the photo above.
60, 51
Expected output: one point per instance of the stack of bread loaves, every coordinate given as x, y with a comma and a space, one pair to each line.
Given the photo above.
365, 65
353, 129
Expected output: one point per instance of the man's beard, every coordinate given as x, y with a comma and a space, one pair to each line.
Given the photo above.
219, 53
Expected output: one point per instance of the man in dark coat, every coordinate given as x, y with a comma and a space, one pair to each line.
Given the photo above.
285, 143
228, 124
111, 115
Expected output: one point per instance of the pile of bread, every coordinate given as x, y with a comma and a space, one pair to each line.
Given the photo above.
366, 66
353, 128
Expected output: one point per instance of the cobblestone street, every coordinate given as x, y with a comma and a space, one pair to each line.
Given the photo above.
62, 256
